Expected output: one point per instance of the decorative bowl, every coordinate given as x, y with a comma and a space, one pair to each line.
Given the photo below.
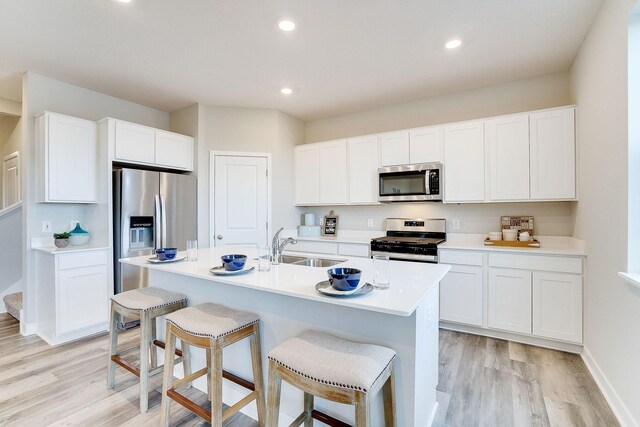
78, 236
233, 262
165, 254
344, 279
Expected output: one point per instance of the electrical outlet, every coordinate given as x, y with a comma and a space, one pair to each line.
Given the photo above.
73, 223
46, 226
370, 222
455, 224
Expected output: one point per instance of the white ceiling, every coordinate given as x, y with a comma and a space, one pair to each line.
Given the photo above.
345, 55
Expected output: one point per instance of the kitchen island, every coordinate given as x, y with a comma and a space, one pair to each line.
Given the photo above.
404, 317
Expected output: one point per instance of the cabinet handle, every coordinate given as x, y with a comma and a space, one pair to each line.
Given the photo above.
219, 236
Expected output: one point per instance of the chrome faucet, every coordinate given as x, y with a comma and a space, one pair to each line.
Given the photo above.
277, 247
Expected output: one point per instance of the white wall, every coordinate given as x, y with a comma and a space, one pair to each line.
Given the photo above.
43, 93
11, 259
246, 130
522, 95
599, 88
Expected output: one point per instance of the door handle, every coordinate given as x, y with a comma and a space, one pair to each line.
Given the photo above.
219, 236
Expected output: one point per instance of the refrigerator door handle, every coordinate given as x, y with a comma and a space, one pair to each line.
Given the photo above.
157, 238
164, 220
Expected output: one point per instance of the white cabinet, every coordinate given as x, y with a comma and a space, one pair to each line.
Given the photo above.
321, 173
509, 300
557, 306
507, 139
461, 295
464, 162
553, 154
394, 148
174, 150
73, 294
134, 143
307, 174
333, 172
66, 157
138, 144
426, 144
363, 170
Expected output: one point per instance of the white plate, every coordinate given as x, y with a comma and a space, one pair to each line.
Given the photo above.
155, 260
220, 271
326, 289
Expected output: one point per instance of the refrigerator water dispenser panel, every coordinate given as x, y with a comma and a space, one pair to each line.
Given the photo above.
141, 232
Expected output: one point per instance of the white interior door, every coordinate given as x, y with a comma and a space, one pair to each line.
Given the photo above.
10, 180
241, 203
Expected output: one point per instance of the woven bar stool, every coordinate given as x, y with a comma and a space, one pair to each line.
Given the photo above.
145, 304
331, 368
212, 327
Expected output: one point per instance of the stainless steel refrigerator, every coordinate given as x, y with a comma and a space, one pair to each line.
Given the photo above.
151, 210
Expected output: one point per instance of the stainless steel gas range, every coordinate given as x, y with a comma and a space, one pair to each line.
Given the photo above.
411, 239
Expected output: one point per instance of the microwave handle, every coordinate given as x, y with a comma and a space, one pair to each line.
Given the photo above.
427, 178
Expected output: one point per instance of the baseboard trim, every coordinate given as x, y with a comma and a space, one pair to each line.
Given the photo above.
617, 406
432, 418
27, 329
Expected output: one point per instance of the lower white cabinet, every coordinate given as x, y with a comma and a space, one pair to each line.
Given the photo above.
509, 300
557, 306
461, 295
73, 294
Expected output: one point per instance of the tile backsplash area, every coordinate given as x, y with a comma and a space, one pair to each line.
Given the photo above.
551, 218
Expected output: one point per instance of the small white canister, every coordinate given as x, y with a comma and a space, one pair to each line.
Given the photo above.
525, 236
495, 235
510, 235
310, 219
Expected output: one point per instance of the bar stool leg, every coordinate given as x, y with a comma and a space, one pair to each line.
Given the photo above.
216, 383
275, 384
362, 410
308, 409
169, 358
113, 346
153, 350
145, 330
388, 396
186, 360
258, 377
209, 374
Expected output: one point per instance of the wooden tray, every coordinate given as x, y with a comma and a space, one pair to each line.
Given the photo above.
534, 244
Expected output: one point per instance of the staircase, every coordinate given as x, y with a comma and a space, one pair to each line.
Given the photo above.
13, 303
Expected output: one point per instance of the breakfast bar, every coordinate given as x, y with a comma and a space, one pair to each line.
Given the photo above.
403, 317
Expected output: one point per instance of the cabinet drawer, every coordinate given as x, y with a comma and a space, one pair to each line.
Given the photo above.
314, 247
353, 249
460, 257
82, 259
537, 262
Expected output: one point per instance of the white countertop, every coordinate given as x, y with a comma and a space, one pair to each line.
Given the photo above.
410, 282
549, 245
344, 236
69, 249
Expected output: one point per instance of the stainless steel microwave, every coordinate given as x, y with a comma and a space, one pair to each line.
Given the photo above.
420, 182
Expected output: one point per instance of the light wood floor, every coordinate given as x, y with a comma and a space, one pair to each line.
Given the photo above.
483, 382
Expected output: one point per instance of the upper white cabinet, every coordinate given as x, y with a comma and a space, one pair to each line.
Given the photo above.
363, 165
66, 153
426, 145
321, 173
394, 149
145, 145
507, 139
174, 150
464, 162
553, 154
333, 172
307, 174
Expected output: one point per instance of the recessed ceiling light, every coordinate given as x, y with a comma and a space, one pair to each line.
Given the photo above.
452, 44
286, 25
286, 91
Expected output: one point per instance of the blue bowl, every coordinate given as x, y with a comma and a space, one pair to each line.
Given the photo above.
233, 262
344, 279
165, 254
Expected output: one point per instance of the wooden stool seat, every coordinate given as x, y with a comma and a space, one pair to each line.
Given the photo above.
145, 304
213, 327
331, 368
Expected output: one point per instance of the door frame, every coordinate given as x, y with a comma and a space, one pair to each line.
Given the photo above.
16, 155
212, 193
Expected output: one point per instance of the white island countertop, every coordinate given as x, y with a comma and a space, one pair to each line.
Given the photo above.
410, 282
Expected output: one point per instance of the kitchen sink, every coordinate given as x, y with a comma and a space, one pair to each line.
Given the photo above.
310, 262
